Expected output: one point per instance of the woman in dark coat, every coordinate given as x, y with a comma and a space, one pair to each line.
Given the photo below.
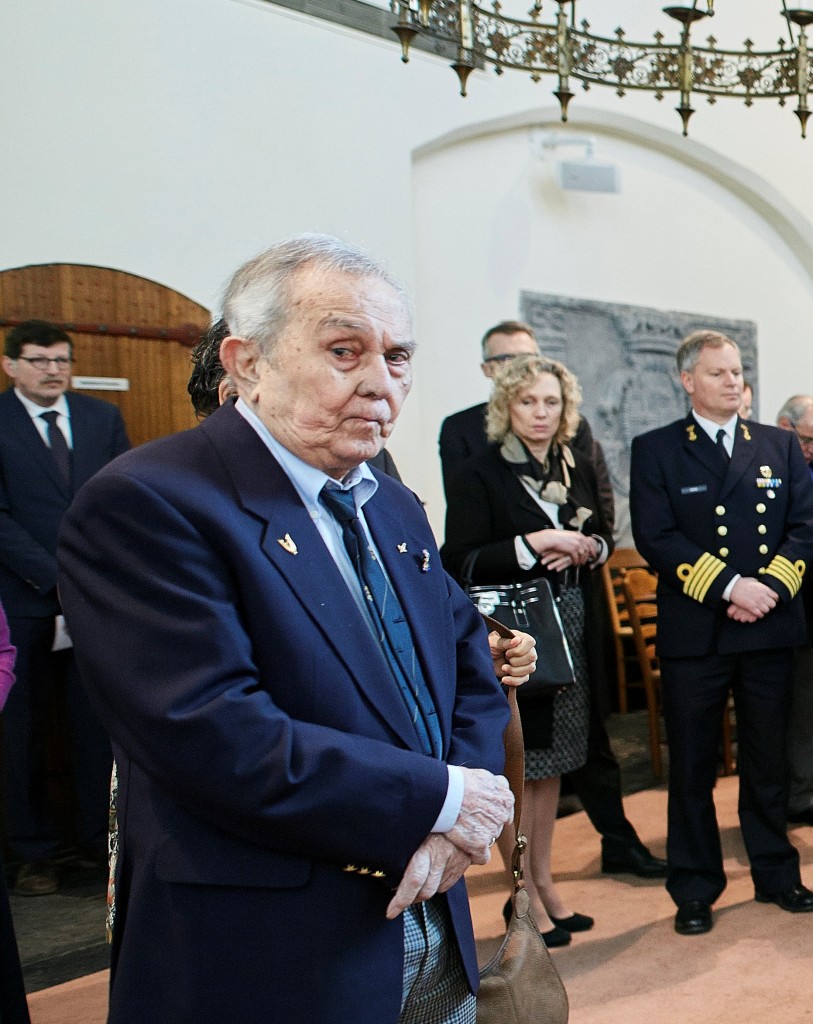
13, 1005
529, 506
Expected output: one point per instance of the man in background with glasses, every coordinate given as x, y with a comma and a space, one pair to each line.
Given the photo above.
464, 434
797, 415
51, 442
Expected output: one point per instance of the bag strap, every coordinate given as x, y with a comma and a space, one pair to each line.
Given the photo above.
466, 574
514, 758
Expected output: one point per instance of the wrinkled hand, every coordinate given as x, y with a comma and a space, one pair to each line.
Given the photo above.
434, 867
750, 600
514, 659
488, 805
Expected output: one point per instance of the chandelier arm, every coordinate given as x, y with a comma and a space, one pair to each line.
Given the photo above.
482, 37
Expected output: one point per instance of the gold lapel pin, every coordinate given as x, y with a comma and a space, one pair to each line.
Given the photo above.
690, 431
745, 431
402, 548
287, 543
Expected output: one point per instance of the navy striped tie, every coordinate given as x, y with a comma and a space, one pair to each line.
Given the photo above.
387, 617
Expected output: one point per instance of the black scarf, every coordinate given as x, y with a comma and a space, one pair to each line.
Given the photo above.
550, 480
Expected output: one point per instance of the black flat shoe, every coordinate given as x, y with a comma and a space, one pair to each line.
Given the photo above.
693, 918
574, 923
556, 937
798, 900
633, 860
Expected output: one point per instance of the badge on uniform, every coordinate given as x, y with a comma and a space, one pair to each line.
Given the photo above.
765, 480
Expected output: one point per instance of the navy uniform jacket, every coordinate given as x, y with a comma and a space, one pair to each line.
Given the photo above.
699, 522
33, 497
271, 784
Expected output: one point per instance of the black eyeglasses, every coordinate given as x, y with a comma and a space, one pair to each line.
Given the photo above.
506, 358
44, 362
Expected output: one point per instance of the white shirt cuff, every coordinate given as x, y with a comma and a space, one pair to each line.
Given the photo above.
450, 811
730, 587
525, 560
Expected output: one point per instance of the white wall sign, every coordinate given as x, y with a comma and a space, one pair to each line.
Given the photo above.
101, 383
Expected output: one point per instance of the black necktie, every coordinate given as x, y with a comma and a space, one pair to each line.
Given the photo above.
721, 446
388, 619
58, 445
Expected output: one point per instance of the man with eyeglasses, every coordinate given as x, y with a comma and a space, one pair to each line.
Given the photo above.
797, 415
51, 442
598, 783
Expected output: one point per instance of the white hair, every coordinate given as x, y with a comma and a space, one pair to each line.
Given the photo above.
256, 300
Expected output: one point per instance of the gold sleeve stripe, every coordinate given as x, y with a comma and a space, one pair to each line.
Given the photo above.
699, 577
786, 572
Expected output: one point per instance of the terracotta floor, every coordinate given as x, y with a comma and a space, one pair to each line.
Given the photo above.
754, 966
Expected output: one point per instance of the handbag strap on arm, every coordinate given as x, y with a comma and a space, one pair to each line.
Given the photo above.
466, 574
514, 756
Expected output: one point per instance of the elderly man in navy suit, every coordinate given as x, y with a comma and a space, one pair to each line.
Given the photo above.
722, 508
303, 706
51, 442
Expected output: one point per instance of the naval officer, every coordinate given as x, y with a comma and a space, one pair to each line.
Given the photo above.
722, 508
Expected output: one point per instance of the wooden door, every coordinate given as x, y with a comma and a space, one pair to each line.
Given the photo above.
122, 326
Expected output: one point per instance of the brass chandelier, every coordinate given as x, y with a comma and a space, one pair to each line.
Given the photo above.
477, 37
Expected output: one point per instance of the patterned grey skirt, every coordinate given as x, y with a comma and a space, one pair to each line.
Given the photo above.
571, 707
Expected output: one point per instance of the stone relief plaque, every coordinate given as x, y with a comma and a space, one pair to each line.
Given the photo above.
624, 357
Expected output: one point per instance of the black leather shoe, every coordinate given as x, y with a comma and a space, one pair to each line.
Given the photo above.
693, 918
556, 937
802, 817
574, 923
798, 900
633, 860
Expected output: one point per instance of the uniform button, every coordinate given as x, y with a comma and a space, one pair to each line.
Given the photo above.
762, 528
722, 530
720, 510
761, 507
761, 570
724, 552
763, 549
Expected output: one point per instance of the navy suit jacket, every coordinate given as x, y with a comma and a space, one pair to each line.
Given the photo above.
699, 522
33, 497
271, 787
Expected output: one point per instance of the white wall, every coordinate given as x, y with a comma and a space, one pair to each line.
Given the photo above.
174, 139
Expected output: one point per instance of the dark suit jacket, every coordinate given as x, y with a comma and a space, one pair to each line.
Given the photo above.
271, 787
33, 497
487, 508
699, 521
463, 434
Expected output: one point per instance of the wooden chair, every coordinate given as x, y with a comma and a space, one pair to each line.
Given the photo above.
639, 587
620, 559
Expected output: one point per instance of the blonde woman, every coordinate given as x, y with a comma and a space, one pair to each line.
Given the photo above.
529, 506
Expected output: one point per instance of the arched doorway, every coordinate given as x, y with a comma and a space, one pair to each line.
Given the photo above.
128, 332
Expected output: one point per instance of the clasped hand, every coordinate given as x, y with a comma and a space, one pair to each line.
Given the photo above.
442, 858
560, 549
750, 600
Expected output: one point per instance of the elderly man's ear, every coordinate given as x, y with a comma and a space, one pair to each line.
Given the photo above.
239, 358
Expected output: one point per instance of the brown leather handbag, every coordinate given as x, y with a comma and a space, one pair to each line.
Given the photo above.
520, 983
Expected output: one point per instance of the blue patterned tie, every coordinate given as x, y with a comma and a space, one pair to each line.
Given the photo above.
387, 617
58, 445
